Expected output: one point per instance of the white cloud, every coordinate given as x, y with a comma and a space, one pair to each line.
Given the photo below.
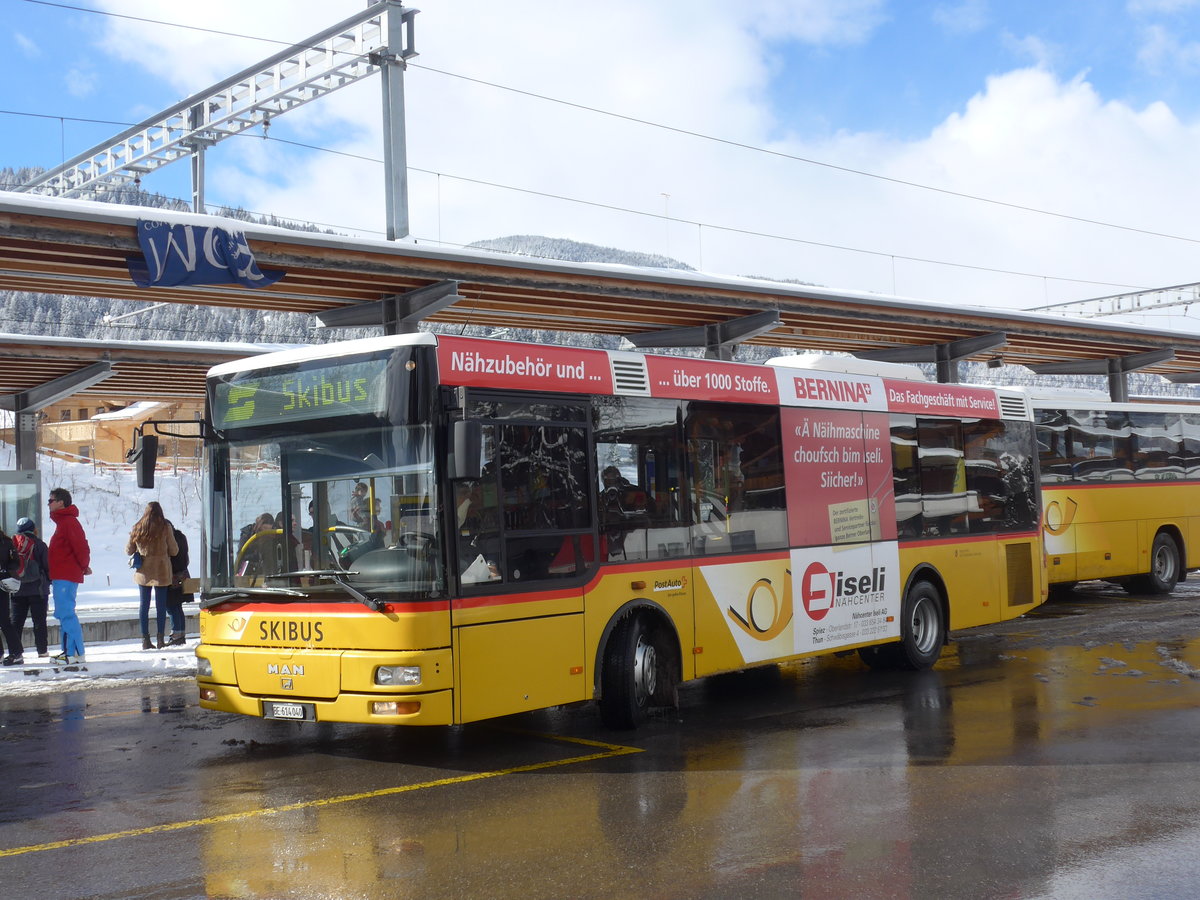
1030, 47
27, 46
1161, 51
965, 17
1143, 7
81, 80
808, 21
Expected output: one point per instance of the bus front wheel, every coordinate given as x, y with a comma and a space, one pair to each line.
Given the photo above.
1164, 568
630, 675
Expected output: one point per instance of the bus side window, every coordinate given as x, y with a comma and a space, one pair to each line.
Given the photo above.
640, 507
1053, 444
944, 498
1000, 479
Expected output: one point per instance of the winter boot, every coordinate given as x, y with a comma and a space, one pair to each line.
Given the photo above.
160, 641
178, 639
146, 645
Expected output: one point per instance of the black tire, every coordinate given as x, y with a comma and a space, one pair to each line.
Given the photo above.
922, 628
630, 676
1164, 568
922, 633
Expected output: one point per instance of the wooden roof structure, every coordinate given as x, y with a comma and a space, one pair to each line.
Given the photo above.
80, 248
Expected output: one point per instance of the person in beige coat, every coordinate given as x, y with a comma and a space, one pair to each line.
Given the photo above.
153, 538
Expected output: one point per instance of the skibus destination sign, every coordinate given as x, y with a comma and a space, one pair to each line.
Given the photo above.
301, 395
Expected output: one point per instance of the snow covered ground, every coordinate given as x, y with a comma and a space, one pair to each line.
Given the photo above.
119, 661
109, 503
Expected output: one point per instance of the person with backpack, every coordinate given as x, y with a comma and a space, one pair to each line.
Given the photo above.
32, 598
153, 537
175, 595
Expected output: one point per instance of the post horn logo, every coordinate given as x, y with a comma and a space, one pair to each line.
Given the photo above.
766, 614
1059, 516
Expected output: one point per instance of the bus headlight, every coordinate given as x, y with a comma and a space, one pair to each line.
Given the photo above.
204, 667
407, 676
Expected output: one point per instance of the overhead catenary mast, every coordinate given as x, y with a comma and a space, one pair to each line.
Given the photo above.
380, 38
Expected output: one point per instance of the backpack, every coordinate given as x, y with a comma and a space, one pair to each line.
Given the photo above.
27, 568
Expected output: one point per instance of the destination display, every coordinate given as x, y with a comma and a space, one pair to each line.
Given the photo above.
341, 389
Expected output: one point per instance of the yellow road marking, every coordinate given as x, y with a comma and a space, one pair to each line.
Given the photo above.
608, 751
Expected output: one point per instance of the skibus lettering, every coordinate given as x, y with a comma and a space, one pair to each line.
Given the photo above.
322, 392
277, 630
825, 389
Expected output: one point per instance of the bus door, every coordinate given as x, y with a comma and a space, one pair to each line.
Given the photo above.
523, 548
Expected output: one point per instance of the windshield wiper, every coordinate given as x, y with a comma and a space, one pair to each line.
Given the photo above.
335, 575
245, 593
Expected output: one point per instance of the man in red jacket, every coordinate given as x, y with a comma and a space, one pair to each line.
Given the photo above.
70, 559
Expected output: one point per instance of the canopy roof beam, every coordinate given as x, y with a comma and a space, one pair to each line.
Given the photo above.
397, 313
1116, 368
946, 355
718, 339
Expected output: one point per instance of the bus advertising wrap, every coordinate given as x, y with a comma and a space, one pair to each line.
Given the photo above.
501, 364
819, 599
921, 398
839, 476
697, 379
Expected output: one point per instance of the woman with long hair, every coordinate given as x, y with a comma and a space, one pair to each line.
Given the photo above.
153, 537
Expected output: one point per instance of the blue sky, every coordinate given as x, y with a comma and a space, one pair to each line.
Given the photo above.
978, 118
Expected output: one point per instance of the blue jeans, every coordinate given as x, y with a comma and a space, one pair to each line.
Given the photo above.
64, 611
160, 608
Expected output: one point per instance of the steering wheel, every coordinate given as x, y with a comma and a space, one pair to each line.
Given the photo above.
343, 536
423, 539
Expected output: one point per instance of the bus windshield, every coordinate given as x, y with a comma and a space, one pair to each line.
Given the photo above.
316, 511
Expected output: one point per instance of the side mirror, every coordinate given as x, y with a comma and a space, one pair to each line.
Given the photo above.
466, 449
144, 455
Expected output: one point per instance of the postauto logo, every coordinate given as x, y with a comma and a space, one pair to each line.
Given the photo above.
821, 590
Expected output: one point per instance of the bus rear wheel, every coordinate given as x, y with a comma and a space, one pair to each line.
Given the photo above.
1164, 568
630, 676
922, 627
922, 633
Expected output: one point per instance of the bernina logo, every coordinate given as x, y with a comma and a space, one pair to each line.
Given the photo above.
276, 669
812, 388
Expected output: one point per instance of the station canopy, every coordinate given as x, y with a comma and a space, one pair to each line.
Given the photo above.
82, 248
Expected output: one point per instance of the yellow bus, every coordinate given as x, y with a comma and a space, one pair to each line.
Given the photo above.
432, 530
1120, 489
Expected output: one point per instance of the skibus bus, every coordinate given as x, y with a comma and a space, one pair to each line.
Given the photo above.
432, 530
1119, 487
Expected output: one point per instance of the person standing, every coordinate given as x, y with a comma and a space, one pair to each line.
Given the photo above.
70, 560
154, 538
32, 598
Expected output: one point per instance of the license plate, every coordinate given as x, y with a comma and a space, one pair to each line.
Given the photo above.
287, 711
